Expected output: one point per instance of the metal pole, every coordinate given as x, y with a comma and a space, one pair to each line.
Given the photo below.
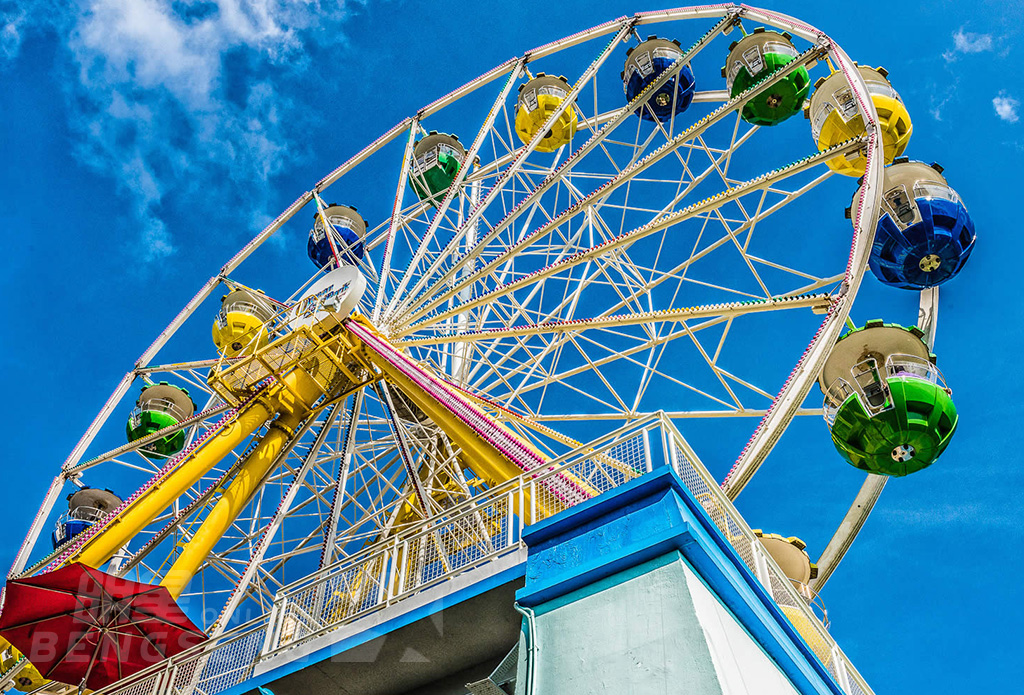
327, 553
460, 177
795, 389
396, 211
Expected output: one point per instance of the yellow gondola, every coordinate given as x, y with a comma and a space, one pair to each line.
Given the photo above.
835, 117
538, 99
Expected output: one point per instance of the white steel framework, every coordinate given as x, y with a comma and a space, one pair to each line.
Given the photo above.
631, 272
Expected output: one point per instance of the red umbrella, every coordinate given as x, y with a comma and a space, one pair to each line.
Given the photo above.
78, 624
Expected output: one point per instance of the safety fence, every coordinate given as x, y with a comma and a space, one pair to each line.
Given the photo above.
469, 538
472, 534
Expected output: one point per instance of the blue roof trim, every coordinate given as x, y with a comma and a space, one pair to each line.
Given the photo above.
643, 520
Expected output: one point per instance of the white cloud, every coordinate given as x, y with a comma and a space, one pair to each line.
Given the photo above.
965, 42
968, 42
175, 97
1006, 107
11, 26
940, 98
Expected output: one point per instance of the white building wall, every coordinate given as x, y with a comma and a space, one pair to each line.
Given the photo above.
742, 666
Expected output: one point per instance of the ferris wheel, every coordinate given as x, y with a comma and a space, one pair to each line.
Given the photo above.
610, 226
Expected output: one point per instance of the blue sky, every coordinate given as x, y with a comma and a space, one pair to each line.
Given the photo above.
144, 142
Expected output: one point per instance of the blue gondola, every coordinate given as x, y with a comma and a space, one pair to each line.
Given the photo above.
924, 234
643, 65
85, 507
349, 228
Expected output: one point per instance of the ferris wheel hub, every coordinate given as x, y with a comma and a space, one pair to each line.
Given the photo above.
930, 263
903, 453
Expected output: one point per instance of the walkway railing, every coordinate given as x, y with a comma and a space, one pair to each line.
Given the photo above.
468, 538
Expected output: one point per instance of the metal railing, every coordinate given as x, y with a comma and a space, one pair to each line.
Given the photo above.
474, 533
88, 515
813, 599
471, 536
319, 360
835, 395
871, 385
240, 306
212, 667
897, 365
160, 405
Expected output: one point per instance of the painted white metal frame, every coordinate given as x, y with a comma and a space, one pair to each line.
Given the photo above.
455, 301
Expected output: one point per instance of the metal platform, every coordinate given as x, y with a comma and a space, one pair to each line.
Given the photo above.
389, 594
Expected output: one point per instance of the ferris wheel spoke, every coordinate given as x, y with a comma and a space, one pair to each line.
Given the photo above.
717, 313
732, 146
716, 316
306, 546
177, 366
833, 281
682, 268
720, 163
555, 377
783, 268
412, 474
620, 116
712, 366
501, 371
629, 238
681, 140
373, 496
650, 371
385, 484
560, 252
345, 455
739, 247
527, 382
199, 418
197, 380
818, 302
460, 178
743, 382
249, 524
653, 371
599, 374
748, 224
596, 199
395, 222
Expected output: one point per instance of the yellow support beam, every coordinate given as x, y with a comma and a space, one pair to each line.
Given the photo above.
246, 483
479, 454
154, 500
488, 462
290, 398
309, 363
